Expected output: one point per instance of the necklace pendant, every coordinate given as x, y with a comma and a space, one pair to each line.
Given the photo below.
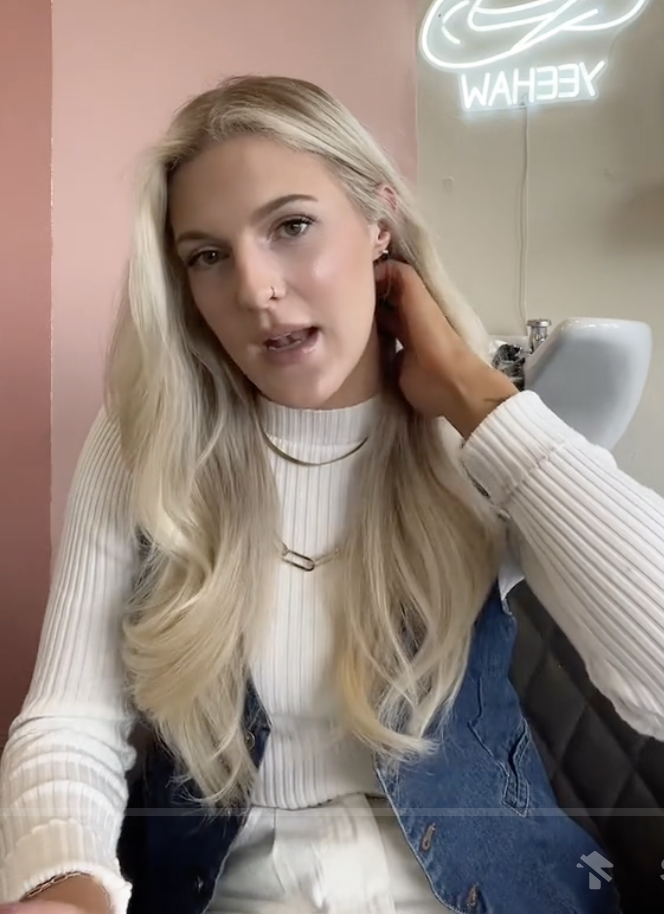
303, 562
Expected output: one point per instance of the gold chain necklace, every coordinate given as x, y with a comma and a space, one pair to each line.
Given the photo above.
298, 559
304, 463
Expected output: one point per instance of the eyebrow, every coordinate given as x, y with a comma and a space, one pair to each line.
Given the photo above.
265, 210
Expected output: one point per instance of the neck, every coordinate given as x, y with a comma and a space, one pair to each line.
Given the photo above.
365, 381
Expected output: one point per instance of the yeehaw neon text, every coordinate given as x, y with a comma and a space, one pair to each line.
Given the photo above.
493, 90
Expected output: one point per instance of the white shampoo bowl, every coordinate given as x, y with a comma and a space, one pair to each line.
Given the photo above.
591, 372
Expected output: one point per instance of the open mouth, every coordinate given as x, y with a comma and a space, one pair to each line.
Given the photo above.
290, 341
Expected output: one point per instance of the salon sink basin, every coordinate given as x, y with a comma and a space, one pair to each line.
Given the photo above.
591, 372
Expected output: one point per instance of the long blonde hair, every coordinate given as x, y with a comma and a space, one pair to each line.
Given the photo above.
420, 551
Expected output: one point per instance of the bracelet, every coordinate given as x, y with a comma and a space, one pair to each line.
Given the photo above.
54, 880
63, 877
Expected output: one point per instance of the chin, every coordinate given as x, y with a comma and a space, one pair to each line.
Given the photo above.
309, 396
307, 399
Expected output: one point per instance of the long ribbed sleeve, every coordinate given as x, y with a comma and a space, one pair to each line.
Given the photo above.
590, 541
63, 775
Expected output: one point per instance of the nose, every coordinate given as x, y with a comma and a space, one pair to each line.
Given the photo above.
256, 279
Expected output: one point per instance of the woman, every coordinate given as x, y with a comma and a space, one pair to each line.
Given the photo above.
281, 527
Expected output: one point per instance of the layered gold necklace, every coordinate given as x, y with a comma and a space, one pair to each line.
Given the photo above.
298, 559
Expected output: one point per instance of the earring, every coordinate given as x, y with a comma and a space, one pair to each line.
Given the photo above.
385, 255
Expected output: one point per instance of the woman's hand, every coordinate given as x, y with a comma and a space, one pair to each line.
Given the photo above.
437, 372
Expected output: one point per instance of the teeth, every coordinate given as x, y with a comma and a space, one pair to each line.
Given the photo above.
289, 339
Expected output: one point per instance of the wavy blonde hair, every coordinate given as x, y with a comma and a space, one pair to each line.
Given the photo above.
420, 550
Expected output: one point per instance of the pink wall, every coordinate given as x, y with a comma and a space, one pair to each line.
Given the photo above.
120, 67
25, 328
114, 71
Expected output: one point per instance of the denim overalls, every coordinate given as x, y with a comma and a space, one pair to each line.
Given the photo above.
479, 813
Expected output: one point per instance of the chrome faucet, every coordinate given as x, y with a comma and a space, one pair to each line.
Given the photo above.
538, 331
510, 358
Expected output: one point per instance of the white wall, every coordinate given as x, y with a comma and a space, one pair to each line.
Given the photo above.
596, 202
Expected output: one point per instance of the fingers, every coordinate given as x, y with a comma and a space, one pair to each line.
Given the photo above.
392, 358
388, 300
388, 322
395, 277
400, 285
388, 281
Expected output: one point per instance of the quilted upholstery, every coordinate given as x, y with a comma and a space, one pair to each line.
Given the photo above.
604, 774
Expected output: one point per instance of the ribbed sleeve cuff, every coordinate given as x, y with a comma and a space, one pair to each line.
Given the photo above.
56, 849
511, 443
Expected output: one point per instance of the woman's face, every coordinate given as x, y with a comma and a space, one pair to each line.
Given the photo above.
280, 265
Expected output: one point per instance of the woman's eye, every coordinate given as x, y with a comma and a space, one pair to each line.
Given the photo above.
293, 228
204, 259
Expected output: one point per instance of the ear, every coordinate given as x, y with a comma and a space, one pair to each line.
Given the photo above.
382, 234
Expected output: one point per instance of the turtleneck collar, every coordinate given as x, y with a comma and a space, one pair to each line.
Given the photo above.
348, 425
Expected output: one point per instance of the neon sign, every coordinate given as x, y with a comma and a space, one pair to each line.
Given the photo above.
482, 41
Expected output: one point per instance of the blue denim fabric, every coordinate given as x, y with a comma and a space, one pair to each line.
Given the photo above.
478, 812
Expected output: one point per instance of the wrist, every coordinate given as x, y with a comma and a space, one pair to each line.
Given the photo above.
81, 892
473, 396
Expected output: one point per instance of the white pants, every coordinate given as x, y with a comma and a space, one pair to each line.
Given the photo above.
347, 857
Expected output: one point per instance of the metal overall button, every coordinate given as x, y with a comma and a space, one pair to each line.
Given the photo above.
427, 838
471, 901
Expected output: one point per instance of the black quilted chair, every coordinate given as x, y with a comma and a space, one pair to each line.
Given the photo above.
605, 775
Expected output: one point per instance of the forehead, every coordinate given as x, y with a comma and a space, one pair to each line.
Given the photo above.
243, 174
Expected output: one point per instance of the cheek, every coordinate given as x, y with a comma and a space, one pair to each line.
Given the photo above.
340, 276
206, 292
342, 256
212, 304
209, 295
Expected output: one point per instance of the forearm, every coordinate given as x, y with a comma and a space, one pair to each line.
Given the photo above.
63, 795
471, 393
63, 787
591, 541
